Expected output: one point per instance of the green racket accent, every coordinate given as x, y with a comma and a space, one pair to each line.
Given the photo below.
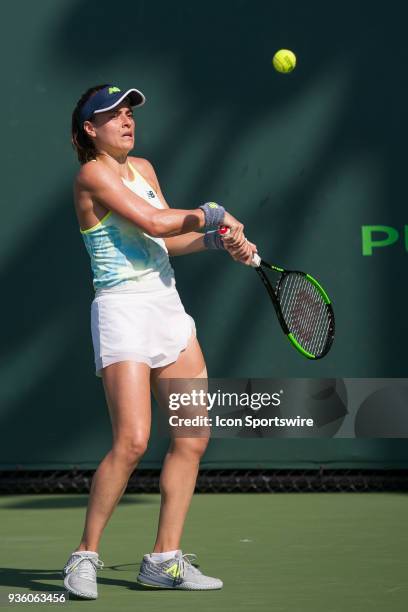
319, 288
299, 347
306, 291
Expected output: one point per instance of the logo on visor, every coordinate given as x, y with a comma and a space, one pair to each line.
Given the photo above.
113, 90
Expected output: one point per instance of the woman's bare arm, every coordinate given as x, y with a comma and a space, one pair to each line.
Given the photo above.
106, 187
192, 242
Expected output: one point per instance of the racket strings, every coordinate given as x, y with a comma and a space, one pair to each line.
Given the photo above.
305, 312
308, 316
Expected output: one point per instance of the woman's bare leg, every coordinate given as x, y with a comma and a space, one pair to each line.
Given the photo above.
127, 391
180, 468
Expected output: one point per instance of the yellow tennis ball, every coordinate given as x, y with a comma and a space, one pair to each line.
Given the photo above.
284, 61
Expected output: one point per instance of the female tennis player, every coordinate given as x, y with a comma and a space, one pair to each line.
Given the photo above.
140, 330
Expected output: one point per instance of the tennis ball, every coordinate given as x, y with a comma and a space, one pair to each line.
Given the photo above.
284, 61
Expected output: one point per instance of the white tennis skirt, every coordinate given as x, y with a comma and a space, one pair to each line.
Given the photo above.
139, 322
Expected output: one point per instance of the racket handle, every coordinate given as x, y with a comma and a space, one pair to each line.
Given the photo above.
256, 260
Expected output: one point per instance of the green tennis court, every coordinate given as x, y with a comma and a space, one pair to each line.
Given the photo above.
283, 552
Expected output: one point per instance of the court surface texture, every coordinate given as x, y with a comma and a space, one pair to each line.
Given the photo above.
307, 552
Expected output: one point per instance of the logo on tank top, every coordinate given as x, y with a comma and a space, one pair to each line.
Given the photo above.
150, 194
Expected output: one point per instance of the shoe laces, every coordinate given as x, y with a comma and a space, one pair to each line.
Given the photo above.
186, 562
86, 564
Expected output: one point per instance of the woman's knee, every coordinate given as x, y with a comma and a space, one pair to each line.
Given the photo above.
192, 446
131, 449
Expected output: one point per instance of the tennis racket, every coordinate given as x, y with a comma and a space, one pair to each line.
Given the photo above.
303, 307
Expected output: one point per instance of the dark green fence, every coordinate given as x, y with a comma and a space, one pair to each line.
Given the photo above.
305, 160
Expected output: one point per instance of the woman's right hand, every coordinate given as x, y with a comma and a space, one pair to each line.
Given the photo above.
236, 233
236, 244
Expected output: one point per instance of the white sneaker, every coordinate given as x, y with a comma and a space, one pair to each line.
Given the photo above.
176, 573
80, 574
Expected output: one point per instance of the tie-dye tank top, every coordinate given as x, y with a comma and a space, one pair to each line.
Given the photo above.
120, 251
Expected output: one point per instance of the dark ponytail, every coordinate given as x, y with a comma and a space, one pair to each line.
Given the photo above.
80, 140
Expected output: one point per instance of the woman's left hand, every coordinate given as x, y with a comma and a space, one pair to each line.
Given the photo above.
240, 248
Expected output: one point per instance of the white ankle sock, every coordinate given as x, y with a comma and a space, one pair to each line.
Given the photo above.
163, 556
